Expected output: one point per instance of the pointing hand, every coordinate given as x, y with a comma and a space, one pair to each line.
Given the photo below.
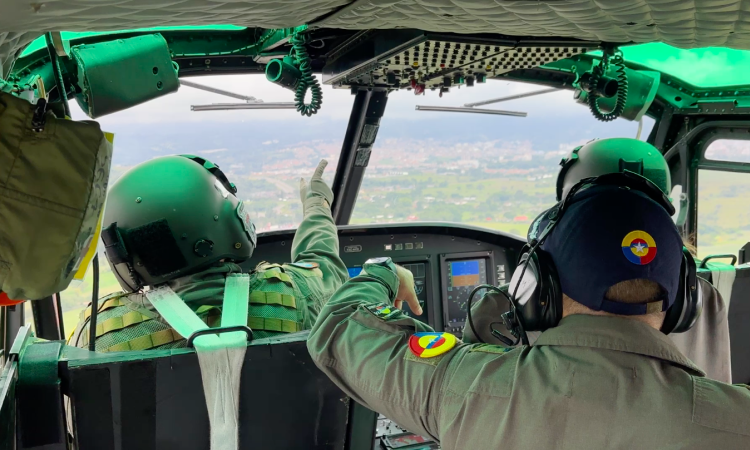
317, 187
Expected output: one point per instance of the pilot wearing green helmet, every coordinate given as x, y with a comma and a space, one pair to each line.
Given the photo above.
595, 158
707, 343
176, 221
603, 356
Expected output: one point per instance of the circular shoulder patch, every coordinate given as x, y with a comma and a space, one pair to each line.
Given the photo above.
639, 247
427, 345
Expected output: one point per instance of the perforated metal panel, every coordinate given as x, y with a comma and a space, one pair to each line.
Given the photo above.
444, 63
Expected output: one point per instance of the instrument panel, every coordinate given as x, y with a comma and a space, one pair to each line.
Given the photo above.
448, 261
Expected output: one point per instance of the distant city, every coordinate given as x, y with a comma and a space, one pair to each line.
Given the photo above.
498, 174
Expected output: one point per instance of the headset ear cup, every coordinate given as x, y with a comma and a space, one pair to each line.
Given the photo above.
693, 295
526, 295
688, 305
550, 292
539, 298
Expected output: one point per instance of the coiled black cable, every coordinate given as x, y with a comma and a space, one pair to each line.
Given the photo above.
308, 80
622, 87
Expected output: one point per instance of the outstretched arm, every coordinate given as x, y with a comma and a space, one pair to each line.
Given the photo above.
316, 240
361, 341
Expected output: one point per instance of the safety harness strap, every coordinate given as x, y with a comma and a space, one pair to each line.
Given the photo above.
220, 356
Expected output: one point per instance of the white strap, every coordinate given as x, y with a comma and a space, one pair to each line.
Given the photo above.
220, 356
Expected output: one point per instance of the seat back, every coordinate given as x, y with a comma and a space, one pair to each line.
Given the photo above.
739, 325
154, 400
707, 342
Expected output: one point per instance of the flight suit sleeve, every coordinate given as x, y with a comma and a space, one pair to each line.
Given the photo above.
361, 342
316, 241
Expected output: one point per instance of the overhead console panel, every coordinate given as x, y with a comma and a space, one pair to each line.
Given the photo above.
447, 260
417, 60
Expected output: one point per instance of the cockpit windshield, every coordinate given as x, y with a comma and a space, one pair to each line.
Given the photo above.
487, 170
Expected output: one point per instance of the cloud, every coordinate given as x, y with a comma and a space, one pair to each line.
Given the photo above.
337, 103
168, 126
175, 107
209, 152
566, 147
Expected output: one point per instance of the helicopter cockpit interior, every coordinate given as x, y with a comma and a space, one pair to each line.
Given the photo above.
406, 99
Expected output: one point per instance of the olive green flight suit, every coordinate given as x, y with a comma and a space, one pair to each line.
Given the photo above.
283, 298
706, 344
590, 383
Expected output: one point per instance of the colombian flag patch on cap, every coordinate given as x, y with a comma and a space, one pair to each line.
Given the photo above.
427, 345
639, 247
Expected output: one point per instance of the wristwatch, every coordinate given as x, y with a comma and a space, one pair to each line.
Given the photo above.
383, 269
383, 261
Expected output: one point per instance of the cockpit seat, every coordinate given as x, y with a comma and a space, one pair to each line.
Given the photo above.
708, 342
739, 331
155, 400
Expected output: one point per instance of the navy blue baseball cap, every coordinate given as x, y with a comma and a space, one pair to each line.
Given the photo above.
607, 235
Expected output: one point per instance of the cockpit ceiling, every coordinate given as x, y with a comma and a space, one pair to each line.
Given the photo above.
687, 24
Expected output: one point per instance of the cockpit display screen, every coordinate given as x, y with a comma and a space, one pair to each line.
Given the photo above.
461, 278
466, 273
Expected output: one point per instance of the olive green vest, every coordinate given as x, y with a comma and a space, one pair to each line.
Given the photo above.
127, 322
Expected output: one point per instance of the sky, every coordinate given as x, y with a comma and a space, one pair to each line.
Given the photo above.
166, 125
175, 108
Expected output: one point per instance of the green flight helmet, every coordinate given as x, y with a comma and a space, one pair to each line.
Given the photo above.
613, 155
170, 217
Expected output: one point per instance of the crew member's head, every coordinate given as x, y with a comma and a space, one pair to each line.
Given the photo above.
617, 252
170, 217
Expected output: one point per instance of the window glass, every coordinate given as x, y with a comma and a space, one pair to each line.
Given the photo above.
493, 171
731, 150
264, 152
723, 213
676, 197
705, 67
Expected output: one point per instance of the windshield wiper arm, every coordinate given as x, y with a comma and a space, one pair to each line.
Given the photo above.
471, 110
256, 105
510, 97
214, 90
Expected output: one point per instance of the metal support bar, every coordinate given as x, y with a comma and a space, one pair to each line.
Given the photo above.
232, 106
13, 320
510, 97
94, 302
57, 71
46, 318
214, 90
689, 159
60, 321
471, 110
364, 121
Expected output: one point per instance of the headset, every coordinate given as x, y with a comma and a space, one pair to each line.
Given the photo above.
536, 300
